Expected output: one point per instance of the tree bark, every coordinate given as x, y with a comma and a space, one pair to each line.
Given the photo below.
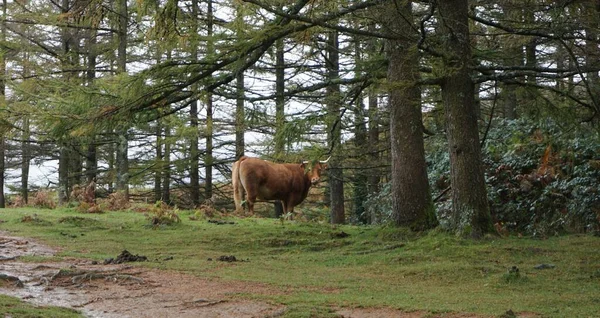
360, 142
471, 216
208, 159
26, 159
334, 131
64, 152
122, 158
412, 205
194, 151
166, 167
280, 139
158, 163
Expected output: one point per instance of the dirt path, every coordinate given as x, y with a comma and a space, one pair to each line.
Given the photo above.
128, 291
122, 290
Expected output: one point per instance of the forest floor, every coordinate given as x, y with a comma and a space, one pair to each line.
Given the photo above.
124, 290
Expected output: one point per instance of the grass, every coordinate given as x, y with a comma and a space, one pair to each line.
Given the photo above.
13, 307
319, 268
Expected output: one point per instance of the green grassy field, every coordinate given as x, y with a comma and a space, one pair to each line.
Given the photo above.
321, 267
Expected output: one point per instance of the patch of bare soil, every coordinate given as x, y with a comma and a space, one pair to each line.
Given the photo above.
123, 290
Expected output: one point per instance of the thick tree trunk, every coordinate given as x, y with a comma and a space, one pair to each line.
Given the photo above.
412, 205
334, 130
471, 215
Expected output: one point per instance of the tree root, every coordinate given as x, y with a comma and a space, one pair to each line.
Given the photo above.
79, 276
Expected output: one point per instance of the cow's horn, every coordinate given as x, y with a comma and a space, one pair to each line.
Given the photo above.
325, 160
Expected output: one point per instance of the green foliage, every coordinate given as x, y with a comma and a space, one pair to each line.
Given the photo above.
161, 214
529, 192
543, 179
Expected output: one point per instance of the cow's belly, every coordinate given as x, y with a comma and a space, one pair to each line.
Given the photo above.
265, 193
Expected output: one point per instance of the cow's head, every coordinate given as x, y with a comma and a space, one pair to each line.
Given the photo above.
314, 170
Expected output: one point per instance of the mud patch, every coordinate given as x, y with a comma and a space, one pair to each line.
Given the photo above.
122, 290
125, 257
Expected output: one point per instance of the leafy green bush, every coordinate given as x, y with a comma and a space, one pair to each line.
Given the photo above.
542, 178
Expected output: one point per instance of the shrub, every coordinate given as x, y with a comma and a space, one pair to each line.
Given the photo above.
162, 214
542, 179
117, 201
43, 199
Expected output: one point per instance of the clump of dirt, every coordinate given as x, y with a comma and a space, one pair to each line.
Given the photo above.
227, 258
220, 222
340, 234
125, 257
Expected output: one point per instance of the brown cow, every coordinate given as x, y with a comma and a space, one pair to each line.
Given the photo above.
265, 180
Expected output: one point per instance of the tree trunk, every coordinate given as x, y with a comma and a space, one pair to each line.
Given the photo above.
239, 109
166, 167
374, 173
592, 53
63, 175
91, 160
374, 177
26, 159
471, 216
2, 163
208, 160
280, 139
158, 163
334, 131
194, 151
122, 158
64, 152
360, 142
412, 205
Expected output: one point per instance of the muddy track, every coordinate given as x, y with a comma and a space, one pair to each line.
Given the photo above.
125, 290
122, 290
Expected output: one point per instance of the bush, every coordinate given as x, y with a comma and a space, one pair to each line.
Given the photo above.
162, 214
542, 179
43, 199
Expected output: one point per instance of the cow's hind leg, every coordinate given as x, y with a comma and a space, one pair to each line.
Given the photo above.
238, 189
251, 195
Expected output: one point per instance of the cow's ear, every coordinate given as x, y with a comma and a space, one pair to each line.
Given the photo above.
303, 165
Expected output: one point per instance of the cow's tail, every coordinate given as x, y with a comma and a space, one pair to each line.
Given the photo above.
238, 189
